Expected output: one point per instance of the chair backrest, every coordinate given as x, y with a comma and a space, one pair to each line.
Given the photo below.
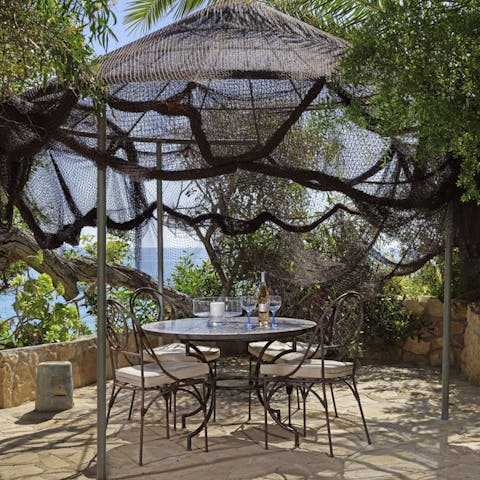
314, 306
337, 333
317, 301
145, 305
343, 335
122, 336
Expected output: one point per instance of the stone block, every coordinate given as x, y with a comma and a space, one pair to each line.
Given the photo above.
18, 367
434, 308
471, 351
410, 357
416, 346
54, 390
437, 327
457, 327
458, 341
414, 306
435, 358
459, 310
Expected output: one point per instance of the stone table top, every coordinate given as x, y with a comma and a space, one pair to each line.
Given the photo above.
232, 329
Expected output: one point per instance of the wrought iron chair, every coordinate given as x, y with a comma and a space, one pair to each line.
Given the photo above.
330, 357
312, 306
128, 347
145, 305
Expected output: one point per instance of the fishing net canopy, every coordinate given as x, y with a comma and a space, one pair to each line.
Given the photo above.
233, 108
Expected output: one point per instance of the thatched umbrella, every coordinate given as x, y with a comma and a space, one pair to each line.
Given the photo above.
237, 61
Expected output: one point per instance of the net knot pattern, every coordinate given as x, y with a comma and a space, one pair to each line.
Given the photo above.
234, 103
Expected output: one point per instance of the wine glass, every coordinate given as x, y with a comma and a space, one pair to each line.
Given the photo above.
275, 304
249, 302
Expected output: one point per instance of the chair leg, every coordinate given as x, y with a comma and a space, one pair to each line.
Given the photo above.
113, 396
289, 393
333, 401
265, 416
131, 405
214, 398
327, 418
304, 399
175, 411
167, 396
204, 405
250, 386
142, 416
357, 397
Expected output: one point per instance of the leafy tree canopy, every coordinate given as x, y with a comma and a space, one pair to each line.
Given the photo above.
41, 39
422, 60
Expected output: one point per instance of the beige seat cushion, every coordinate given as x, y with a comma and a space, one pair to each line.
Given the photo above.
310, 369
154, 376
315, 351
254, 348
176, 352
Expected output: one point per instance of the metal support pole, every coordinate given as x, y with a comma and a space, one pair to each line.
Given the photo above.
447, 310
160, 230
101, 303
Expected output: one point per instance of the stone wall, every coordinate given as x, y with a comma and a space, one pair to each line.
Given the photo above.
18, 367
471, 352
426, 347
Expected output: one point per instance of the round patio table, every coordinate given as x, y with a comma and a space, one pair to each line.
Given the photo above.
202, 329
190, 330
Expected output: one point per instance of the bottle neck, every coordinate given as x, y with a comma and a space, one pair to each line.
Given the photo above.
263, 278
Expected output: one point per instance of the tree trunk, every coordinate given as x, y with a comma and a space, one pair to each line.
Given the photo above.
18, 245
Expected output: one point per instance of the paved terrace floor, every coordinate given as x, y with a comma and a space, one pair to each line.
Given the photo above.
401, 404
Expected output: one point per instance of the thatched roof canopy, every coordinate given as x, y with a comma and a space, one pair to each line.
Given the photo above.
230, 40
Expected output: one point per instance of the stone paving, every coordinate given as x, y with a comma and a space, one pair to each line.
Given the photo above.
402, 405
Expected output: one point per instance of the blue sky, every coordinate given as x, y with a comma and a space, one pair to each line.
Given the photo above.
120, 30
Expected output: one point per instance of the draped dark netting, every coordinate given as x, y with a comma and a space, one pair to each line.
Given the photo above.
233, 101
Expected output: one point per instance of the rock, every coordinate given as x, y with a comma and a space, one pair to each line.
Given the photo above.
435, 358
434, 308
414, 306
410, 357
457, 327
416, 346
459, 310
471, 352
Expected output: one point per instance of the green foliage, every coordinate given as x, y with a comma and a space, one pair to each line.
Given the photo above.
335, 16
422, 59
143, 14
195, 280
118, 248
41, 315
42, 39
387, 318
339, 17
429, 279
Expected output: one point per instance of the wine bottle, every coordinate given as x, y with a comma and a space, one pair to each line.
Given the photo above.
263, 302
